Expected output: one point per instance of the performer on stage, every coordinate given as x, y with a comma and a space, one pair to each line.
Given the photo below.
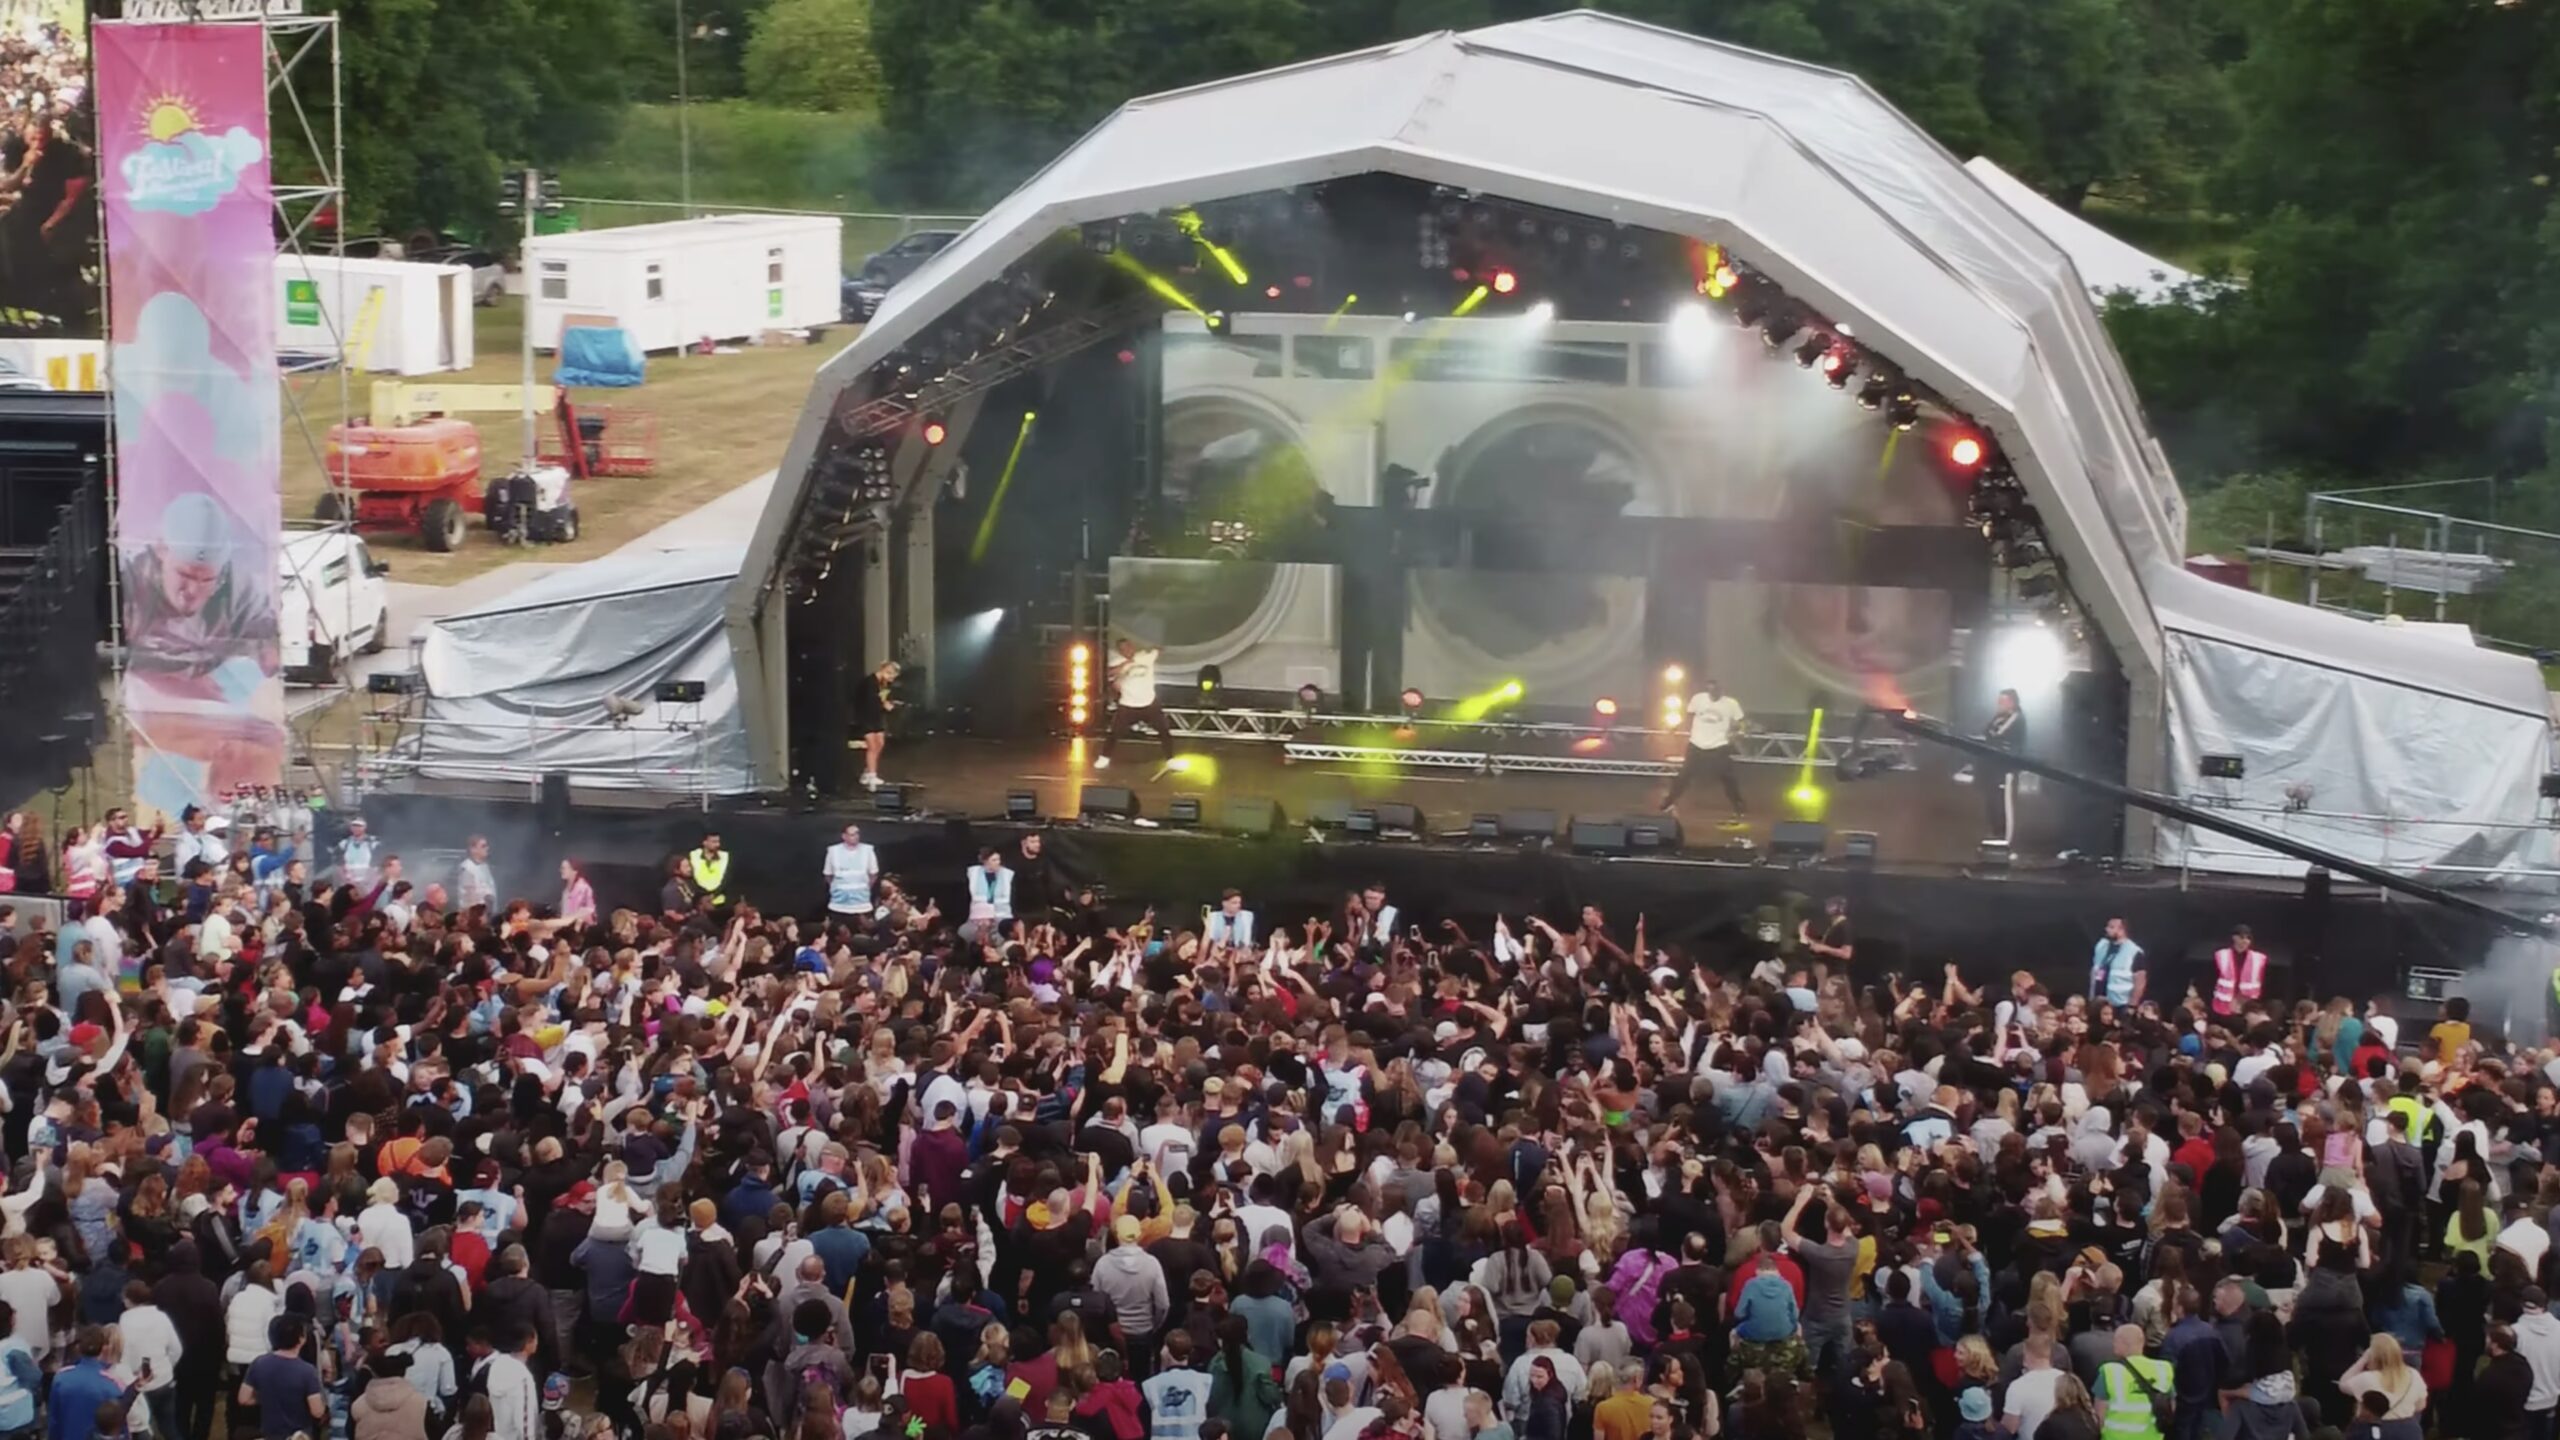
1715, 722
872, 703
2007, 732
1133, 698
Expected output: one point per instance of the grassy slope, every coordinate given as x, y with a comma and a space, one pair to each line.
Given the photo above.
722, 419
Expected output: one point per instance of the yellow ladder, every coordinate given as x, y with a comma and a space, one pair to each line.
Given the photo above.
359, 342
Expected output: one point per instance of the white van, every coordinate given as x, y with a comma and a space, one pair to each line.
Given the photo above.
330, 603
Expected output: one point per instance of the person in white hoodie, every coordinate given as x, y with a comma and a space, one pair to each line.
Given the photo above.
244, 1320
384, 1226
149, 1337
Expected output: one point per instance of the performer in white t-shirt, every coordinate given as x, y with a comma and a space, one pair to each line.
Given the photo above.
1133, 698
852, 868
1715, 721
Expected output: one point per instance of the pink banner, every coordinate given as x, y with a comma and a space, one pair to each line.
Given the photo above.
182, 139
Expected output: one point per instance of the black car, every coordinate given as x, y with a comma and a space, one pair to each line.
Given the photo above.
866, 287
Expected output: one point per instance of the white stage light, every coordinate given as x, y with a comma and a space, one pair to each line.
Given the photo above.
2029, 659
1541, 313
1690, 325
981, 627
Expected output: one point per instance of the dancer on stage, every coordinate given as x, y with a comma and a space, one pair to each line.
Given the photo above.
872, 702
1133, 698
1715, 722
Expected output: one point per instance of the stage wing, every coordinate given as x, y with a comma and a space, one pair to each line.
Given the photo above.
528, 677
2360, 722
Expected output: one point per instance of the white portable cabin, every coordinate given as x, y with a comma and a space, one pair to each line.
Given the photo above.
422, 326
726, 277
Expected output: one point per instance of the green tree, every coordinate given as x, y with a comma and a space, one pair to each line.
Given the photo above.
814, 55
442, 95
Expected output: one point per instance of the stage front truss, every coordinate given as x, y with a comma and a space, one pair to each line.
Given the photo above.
1487, 755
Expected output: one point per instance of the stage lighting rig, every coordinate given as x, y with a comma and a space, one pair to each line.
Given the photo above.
1878, 389
1903, 410
1783, 322
1838, 365
1810, 353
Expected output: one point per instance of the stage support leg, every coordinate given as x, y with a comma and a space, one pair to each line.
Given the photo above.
878, 636
919, 628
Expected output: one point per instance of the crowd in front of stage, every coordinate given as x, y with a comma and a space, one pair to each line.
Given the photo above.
304, 1145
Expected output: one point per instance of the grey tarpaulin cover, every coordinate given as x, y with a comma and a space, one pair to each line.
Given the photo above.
518, 686
2447, 740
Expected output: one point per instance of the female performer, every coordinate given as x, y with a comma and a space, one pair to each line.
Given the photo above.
872, 703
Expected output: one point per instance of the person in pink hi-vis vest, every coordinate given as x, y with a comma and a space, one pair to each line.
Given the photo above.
2239, 973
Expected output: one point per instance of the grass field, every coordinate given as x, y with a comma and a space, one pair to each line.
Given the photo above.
745, 157
722, 420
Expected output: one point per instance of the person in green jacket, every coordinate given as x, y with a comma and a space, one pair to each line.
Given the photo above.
1242, 1391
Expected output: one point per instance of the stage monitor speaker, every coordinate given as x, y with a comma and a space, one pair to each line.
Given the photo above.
1528, 824
1798, 840
1399, 819
1182, 812
1484, 825
1022, 804
1858, 846
1117, 802
1597, 837
554, 809
1361, 820
1252, 817
1653, 834
1994, 855
897, 799
678, 692
395, 682
1332, 813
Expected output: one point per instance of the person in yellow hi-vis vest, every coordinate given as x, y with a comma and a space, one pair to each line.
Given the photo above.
709, 866
2131, 1388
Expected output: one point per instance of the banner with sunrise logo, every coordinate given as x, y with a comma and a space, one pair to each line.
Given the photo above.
182, 141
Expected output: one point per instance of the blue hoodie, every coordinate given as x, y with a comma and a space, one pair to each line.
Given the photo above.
1767, 1310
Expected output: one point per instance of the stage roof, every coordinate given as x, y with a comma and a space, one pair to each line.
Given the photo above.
2107, 265
1806, 173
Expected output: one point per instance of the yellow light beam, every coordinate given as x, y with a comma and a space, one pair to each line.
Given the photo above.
1339, 311
1164, 289
1475, 297
1188, 222
1806, 794
1004, 482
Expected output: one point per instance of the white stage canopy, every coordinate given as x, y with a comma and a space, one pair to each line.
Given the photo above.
2107, 265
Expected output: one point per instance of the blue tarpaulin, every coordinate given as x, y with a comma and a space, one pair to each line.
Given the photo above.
599, 357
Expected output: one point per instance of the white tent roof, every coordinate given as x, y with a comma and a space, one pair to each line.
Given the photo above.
1805, 173
2441, 659
2106, 264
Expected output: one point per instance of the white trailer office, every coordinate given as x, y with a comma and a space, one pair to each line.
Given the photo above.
420, 325
727, 277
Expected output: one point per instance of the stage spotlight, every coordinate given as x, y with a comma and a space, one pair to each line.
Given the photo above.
1310, 698
935, 432
2030, 659
1903, 410
1675, 675
1965, 451
1875, 392
1542, 312
1605, 708
1413, 700
1838, 365
1211, 677
1779, 328
1513, 689
1504, 282
1810, 353
1270, 292
1409, 316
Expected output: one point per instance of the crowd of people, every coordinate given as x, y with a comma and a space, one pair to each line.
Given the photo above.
306, 1145
48, 165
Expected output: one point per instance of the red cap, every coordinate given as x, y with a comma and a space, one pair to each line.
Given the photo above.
85, 1034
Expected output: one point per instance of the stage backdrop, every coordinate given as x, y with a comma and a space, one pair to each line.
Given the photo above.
182, 122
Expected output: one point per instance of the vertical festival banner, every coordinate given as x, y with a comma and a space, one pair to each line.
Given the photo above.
182, 138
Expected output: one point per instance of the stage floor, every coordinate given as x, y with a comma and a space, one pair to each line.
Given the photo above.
1919, 816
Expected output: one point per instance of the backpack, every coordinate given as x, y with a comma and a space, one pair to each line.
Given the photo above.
2164, 1405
